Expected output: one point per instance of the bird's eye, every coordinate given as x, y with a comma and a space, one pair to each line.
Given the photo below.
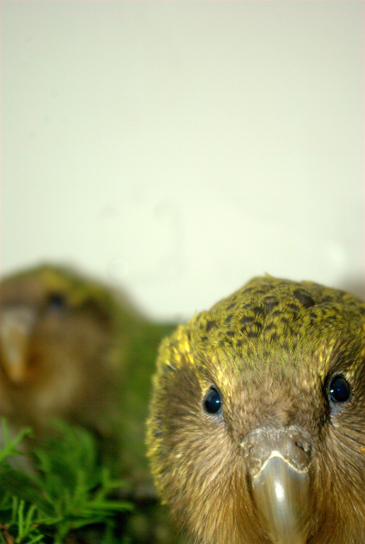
339, 389
212, 402
57, 302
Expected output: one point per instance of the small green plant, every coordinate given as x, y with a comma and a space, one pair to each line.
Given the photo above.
67, 491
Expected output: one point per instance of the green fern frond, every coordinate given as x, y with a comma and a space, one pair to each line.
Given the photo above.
68, 490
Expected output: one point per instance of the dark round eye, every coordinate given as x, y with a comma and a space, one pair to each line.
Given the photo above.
212, 402
57, 301
339, 389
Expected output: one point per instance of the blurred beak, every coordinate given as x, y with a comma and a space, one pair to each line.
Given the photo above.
278, 461
16, 324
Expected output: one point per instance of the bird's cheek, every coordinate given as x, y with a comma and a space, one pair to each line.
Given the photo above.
278, 462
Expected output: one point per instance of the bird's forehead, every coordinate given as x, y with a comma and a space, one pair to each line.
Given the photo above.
278, 321
34, 285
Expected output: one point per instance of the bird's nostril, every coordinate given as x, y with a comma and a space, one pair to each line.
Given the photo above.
303, 446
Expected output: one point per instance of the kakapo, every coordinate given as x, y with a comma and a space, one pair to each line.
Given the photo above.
256, 431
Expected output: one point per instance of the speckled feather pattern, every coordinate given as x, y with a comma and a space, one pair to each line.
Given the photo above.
269, 350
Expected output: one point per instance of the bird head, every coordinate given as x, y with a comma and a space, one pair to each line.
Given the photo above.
256, 431
59, 347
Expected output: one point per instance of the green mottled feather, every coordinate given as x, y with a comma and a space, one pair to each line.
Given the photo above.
270, 350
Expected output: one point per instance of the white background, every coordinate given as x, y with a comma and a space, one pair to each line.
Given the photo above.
179, 148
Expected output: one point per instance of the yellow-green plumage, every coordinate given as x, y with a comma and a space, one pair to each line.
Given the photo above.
271, 351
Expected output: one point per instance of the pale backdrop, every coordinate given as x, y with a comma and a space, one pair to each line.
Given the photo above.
179, 148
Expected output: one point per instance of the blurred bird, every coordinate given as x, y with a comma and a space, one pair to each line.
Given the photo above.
74, 349
256, 432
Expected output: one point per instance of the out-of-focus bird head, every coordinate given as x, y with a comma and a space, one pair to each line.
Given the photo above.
57, 345
256, 431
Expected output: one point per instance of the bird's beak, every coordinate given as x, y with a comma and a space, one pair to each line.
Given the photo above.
16, 323
278, 462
